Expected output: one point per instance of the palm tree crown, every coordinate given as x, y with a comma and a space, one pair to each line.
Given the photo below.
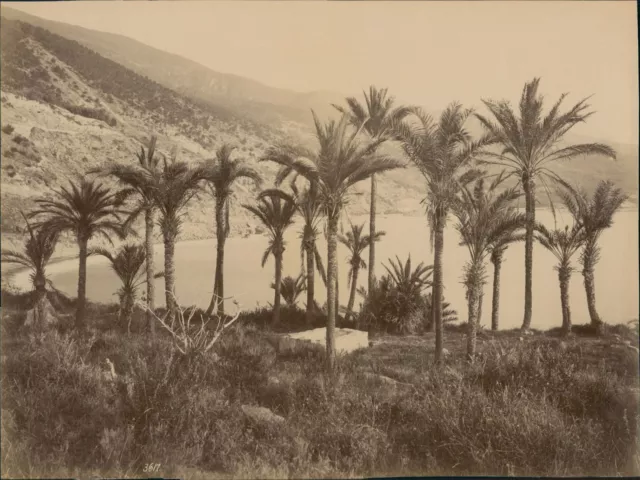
357, 243
562, 243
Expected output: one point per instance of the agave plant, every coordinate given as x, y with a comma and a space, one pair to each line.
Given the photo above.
291, 288
37, 252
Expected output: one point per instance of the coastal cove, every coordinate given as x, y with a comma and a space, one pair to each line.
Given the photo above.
616, 276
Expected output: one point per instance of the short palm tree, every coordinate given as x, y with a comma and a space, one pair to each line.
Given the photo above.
128, 265
443, 152
563, 244
222, 172
377, 117
175, 186
291, 288
35, 256
139, 181
275, 209
309, 207
531, 142
86, 209
356, 243
482, 217
498, 250
407, 280
340, 162
594, 214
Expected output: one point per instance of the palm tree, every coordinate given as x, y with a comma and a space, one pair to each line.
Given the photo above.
174, 187
377, 118
37, 252
291, 288
356, 243
483, 217
409, 281
443, 152
530, 144
448, 314
594, 214
139, 181
498, 250
275, 209
86, 209
563, 244
309, 207
221, 174
127, 264
340, 162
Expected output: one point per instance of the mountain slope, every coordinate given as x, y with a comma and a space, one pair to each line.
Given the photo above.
244, 96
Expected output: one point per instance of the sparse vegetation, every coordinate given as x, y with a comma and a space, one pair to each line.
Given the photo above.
8, 129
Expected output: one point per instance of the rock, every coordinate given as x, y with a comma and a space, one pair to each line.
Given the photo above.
261, 415
445, 352
347, 339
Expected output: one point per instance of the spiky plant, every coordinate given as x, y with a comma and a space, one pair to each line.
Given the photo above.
275, 209
35, 256
85, 209
483, 216
563, 244
291, 288
594, 213
222, 173
356, 243
376, 117
409, 281
341, 161
139, 181
530, 142
127, 263
449, 315
443, 152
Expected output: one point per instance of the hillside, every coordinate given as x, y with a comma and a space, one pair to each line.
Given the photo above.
244, 96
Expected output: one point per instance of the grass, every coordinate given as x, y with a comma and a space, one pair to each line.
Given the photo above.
534, 405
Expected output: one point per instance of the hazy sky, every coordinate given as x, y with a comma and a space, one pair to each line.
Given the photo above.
426, 52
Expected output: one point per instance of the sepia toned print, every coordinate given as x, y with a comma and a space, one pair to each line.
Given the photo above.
263, 240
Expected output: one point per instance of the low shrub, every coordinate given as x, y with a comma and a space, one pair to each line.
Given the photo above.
8, 129
95, 113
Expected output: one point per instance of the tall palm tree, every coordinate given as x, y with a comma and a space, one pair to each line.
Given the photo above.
377, 117
86, 209
175, 186
594, 214
443, 152
563, 244
340, 162
139, 181
530, 142
127, 264
356, 243
222, 172
291, 288
37, 252
275, 209
482, 217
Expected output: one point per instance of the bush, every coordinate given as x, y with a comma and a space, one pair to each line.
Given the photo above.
20, 140
8, 129
95, 113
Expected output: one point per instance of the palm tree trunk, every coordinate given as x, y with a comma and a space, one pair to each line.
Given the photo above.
126, 312
480, 300
564, 276
337, 280
438, 284
332, 264
432, 312
82, 282
218, 283
590, 289
278, 285
352, 294
151, 288
170, 274
310, 284
473, 300
530, 203
495, 304
372, 234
